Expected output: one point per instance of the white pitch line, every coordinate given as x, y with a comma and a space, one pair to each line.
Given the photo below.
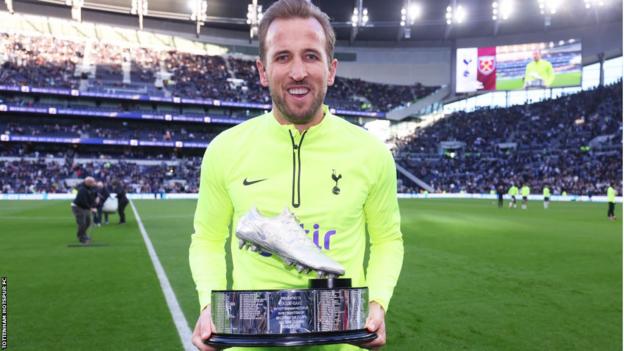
172, 302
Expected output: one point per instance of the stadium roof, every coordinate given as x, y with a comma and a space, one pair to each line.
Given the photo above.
385, 16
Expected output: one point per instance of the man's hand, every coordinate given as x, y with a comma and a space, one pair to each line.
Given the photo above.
203, 330
375, 323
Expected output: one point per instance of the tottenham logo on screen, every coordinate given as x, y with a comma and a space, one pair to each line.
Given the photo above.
487, 64
466, 72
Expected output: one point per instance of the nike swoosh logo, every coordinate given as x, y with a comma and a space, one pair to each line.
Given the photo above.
249, 182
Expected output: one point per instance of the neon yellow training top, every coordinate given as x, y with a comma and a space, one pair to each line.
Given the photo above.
546, 192
525, 191
611, 193
335, 177
513, 191
541, 69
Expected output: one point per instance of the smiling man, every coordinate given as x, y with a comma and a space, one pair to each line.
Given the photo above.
335, 177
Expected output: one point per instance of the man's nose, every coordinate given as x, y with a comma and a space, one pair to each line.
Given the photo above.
298, 70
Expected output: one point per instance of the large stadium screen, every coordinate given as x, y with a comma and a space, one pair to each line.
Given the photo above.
522, 66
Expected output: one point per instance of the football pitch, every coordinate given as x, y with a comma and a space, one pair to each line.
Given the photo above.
475, 277
568, 79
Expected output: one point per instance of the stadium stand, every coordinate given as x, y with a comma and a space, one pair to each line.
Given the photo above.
572, 144
39, 61
44, 61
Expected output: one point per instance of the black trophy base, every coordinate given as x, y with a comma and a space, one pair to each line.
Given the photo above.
350, 337
329, 283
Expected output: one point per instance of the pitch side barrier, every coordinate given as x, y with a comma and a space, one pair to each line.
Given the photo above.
567, 198
174, 196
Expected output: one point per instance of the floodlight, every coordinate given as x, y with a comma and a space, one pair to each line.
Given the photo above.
254, 15
594, 3
549, 7
460, 14
76, 9
9, 5
502, 9
455, 14
198, 12
359, 19
414, 11
139, 7
449, 15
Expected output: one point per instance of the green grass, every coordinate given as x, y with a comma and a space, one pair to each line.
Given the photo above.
561, 80
475, 277
84, 298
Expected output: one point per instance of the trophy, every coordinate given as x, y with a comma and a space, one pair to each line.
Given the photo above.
329, 311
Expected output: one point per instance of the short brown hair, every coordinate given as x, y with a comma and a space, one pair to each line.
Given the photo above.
296, 9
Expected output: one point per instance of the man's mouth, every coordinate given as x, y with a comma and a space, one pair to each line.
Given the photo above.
298, 92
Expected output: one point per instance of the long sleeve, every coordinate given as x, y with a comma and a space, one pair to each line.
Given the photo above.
212, 219
384, 227
549, 74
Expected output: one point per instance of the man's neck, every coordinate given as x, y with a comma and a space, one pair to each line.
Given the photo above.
318, 117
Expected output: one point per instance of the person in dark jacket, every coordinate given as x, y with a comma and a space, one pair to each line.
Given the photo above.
102, 196
500, 191
82, 206
122, 200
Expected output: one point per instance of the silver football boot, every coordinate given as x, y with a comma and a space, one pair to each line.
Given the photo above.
283, 236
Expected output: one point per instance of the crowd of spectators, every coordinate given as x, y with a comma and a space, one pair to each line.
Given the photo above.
385, 97
70, 128
198, 76
50, 176
52, 62
39, 61
248, 89
571, 144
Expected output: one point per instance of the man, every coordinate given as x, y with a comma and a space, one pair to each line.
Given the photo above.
122, 200
102, 196
334, 176
82, 206
525, 191
539, 72
546, 192
611, 194
499, 194
513, 192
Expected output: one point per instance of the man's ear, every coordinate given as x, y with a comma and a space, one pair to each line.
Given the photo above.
264, 80
332, 72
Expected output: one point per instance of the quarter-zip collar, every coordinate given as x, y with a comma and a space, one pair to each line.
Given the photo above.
297, 141
311, 133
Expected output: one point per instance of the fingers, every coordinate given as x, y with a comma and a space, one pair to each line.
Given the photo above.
203, 331
380, 341
375, 323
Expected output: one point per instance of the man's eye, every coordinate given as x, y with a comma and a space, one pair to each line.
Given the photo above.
312, 57
281, 58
